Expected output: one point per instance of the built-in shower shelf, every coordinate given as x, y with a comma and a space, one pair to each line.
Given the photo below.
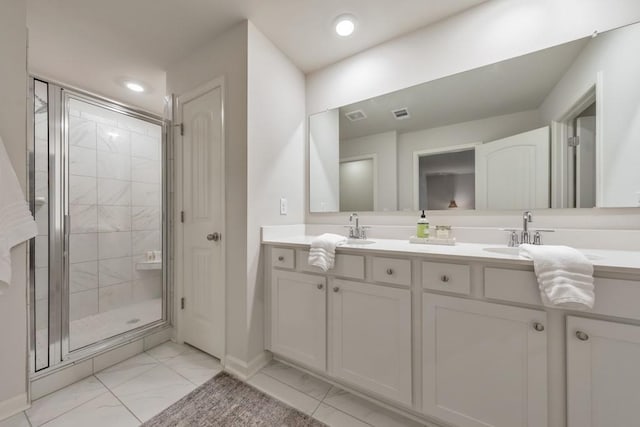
149, 265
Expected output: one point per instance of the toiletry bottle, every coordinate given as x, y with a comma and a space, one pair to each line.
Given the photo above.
423, 227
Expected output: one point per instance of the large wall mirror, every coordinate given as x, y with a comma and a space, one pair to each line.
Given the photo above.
558, 128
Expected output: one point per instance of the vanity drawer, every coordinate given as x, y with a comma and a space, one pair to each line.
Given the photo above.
446, 277
351, 266
614, 297
392, 270
282, 258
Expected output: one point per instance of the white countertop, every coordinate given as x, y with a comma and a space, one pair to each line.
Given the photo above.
603, 260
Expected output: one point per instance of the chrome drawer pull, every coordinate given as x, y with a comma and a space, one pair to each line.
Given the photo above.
280, 258
389, 271
336, 289
320, 286
444, 278
538, 326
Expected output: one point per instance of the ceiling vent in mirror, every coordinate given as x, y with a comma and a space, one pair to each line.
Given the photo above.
401, 113
356, 115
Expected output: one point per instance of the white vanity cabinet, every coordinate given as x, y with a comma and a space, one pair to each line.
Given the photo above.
370, 338
603, 373
298, 317
483, 364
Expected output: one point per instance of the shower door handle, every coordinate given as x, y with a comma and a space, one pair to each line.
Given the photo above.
214, 236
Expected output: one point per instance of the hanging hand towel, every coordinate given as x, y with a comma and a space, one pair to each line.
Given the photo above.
323, 250
16, 221
565, 276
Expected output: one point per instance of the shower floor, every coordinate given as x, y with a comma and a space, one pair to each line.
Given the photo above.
91, 329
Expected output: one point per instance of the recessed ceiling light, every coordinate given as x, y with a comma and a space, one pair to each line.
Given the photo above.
345, 25
136, 87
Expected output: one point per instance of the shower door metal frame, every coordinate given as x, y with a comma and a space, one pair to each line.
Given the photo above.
60, 353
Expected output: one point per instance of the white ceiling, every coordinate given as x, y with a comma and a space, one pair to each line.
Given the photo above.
93, 44
510, 86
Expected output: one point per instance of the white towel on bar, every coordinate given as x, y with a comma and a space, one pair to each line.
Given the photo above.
16, 221
565, 276
323, 250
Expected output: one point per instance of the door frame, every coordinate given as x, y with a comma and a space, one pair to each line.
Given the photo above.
374, 158
561, 129
179, 101
429, 151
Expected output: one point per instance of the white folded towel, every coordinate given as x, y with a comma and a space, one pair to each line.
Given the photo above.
323, 250
16, 221
565, 276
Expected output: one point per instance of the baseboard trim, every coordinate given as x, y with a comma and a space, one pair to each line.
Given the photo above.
13, 405
244, 370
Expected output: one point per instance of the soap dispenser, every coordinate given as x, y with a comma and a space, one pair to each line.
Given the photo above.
423, 227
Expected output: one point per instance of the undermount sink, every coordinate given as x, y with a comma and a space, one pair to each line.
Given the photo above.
359, 242
514, 251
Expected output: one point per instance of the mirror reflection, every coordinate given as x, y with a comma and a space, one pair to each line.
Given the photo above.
558, 128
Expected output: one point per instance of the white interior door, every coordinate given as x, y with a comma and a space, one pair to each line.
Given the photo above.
203, 207
513, 172
586, 162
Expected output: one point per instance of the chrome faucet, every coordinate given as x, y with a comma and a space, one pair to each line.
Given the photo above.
525, 233
357, 232
527, 217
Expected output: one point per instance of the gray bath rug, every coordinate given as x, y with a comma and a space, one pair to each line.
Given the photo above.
227, 401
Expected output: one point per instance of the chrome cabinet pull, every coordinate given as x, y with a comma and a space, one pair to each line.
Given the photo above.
213, 236
336, 289
280, 258
538, 326
320, 286
444, 278
389, 271
582, 336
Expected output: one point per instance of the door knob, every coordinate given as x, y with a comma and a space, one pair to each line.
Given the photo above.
213, 236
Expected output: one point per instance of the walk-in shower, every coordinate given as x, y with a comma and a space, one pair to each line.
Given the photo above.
97, 190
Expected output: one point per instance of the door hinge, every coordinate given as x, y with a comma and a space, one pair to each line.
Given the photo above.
182, 303
573, 141
182, 216
181, 129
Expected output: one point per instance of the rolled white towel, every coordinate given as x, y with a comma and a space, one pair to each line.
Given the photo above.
323, 250
565, 276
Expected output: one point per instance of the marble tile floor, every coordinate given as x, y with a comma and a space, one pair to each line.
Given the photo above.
136, 389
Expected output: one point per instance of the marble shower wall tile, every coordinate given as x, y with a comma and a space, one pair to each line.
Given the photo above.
115, 296
82, 161
83, 247
145, 218
144, 241
114, 245
113, 140
115, 166
114, 218
84, 218
83, 276
114, 192
144, 194
114, 271
82, 190
145, 147
83, 304
145, 170
82, 133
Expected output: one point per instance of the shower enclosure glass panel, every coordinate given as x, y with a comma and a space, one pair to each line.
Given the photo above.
97, 189
40, 208
115, 222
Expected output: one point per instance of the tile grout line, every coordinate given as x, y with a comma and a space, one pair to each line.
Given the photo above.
71, 409
287, 385
121, 402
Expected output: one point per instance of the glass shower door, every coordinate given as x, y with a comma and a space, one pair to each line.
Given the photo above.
114, 229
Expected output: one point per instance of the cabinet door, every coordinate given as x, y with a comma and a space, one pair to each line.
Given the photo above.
371, 338
483, 364
298, 317
603, 373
